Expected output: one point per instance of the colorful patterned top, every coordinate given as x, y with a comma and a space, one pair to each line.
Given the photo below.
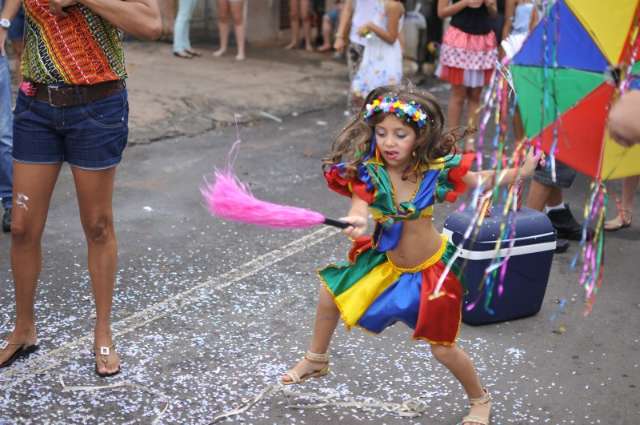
440, 181
81, 48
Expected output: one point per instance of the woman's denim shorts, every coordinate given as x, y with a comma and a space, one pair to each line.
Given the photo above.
90, 136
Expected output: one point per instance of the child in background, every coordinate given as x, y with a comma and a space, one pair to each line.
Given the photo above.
468, 56
395, 161
329, 22
382, 59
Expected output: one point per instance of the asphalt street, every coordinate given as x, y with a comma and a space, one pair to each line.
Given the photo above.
207, 314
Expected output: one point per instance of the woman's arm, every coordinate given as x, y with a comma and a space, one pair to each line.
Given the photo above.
140, 18
487, 178
534, 18
445, 9
9, 11
358, 217
343, 26
492, 7
394, 11
509, 11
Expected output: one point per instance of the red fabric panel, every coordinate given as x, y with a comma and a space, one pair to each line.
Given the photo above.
581, 132
439, 318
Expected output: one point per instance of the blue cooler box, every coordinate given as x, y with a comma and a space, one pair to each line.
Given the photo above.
527, 272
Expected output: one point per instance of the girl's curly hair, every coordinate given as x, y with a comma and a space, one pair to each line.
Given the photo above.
432, 141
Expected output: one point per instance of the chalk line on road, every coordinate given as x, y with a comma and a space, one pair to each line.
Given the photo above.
36, 365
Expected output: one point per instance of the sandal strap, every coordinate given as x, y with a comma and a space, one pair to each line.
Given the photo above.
295, 377
476, 419
105, 350
481, 401
317, 357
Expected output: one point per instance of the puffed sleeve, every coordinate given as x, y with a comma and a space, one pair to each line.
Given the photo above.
450, 184
348, 186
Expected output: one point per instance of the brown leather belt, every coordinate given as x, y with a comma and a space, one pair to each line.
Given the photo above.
64, 95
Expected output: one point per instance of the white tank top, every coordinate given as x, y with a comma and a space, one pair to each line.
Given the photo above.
365, 11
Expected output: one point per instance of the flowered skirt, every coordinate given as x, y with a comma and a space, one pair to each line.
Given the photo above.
467, 59
373, 293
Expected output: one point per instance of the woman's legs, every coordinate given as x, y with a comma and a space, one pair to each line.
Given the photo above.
305, 13
223, 26
461, 366
456, 103
237, 10
326, 34
32, 186
181, 26
625, 214
473, 103
95, 190
294, 14
327, 316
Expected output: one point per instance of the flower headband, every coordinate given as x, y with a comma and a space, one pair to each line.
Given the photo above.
405, 111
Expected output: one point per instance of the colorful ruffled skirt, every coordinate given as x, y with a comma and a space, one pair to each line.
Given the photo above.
467, 59
373, 293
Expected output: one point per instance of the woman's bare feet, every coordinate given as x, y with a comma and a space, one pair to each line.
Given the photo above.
240, 57
20, 343
219, 52
291, 45
311, 366
622, 220
308, 47
324, 48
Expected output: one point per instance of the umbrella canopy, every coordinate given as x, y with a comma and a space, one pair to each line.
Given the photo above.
563, 80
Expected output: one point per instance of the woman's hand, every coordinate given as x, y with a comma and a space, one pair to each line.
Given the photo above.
56, 7
531, 162
364, 29
358, 226
475, 3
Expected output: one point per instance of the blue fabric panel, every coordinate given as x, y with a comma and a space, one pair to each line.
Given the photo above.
574, 46
400, 302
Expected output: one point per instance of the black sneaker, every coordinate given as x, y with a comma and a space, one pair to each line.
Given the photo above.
567, 227
6, 220
562, 245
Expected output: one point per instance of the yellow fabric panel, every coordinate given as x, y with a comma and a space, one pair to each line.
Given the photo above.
608, 22
620, 162
355, 301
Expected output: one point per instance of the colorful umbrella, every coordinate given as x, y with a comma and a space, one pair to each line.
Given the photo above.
565, 79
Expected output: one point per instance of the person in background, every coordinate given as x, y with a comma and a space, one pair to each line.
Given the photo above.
355, 14
467, 56
16, 38
228, 9
181, 43
6, 140
300, 10
329, 22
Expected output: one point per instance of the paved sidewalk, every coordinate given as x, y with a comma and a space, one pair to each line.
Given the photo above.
171, 97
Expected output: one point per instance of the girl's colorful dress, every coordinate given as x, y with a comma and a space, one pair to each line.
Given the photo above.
373, 293
381, 63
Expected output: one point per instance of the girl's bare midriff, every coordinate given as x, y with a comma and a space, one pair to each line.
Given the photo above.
419, 241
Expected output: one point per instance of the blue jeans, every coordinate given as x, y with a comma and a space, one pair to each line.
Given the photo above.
6, 134
90, 136
181, 27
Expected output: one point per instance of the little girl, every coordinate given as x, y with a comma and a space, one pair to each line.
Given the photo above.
394, 161
382, 59
468, 56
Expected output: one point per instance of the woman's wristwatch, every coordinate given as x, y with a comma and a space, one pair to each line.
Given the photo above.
5, 23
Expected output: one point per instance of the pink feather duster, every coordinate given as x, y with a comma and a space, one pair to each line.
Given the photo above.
230, 199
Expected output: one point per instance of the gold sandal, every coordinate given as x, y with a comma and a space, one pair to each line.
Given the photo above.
101, 356
485, 400
295, 378
622, 220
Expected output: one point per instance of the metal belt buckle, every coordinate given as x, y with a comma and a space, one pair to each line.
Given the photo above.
49, 94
